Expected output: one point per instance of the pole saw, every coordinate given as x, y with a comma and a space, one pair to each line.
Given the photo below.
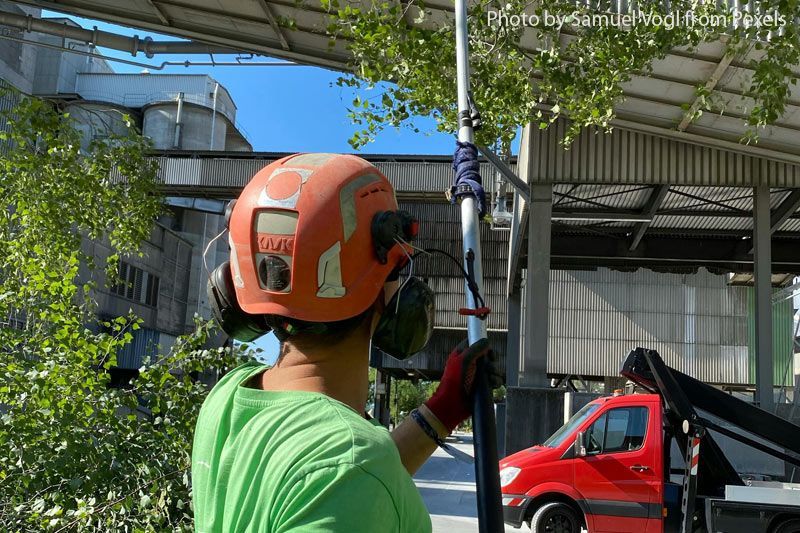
469, 191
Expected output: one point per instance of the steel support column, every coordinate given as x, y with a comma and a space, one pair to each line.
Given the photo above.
762, 247
513, 339
537, 292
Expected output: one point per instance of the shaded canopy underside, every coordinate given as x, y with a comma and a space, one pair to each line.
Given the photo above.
659, 100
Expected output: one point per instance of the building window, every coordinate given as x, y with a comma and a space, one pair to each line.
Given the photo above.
136, 284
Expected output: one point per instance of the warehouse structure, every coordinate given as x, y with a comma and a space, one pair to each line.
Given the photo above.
614, 200
698, 316
166, 286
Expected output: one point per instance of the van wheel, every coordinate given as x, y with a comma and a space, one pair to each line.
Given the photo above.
555, 518
788, 526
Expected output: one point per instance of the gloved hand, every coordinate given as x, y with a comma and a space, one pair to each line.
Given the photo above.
451, 403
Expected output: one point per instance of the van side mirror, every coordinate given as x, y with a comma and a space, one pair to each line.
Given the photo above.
580, 444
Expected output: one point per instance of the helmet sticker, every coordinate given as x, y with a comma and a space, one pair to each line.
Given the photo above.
283, 187
329, 273
347, 202
237, 276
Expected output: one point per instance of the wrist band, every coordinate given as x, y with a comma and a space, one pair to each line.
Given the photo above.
428, 429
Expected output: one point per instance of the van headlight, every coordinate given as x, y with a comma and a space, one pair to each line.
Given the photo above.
508, 474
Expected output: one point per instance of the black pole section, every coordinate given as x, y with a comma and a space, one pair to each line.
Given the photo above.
490, 512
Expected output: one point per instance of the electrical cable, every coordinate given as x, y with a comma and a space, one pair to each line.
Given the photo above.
473, 287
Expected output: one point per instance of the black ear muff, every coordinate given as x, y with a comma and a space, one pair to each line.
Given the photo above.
388, 227
228, 212
232, 319
406, 324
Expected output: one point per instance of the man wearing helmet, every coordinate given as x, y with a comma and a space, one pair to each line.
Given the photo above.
316, 246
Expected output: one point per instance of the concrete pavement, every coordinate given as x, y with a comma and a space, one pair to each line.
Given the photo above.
447, 486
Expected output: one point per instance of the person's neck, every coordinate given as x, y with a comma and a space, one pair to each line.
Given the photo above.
340, 371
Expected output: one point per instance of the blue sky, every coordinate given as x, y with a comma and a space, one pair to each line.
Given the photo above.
285, 109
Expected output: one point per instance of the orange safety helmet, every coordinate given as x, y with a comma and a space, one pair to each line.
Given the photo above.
303, 239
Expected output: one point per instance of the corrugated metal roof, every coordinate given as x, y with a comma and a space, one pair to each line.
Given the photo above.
579, 196
791, 225
224, 176
633, 157
716, 198
653, 101
710, 224
235, 172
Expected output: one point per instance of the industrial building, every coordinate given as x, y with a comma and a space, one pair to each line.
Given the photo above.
629, 238
699, 316
165, 287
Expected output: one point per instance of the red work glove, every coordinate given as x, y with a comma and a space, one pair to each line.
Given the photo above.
452, 401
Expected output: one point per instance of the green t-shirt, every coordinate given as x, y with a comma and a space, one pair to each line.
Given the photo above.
286, 461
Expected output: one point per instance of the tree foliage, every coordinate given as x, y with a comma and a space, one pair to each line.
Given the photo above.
543, 72
407, 395
76, 455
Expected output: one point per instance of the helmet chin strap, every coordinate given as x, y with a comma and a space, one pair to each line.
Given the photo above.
410, 262
207, 248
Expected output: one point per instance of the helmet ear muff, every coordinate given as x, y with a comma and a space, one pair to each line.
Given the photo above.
232, 319
406, 322
228, 213
388, 227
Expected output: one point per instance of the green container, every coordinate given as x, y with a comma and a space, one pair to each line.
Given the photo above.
782, 341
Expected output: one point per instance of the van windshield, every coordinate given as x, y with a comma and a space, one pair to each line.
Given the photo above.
562, 433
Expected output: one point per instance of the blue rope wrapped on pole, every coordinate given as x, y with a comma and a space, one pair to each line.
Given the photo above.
467, 179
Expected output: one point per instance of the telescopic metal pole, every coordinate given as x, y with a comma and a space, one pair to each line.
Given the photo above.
490, 514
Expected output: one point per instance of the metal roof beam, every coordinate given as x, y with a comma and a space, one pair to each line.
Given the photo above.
653, 203
622, 215
712, 81
785, 210
159, 13
599, 215
273, 21
200, 32
657, 251
521, 187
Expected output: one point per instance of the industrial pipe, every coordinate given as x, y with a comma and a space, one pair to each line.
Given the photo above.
163, 65
176, 141
132, 45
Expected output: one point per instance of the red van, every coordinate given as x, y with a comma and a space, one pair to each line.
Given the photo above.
616, 486
608, 468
